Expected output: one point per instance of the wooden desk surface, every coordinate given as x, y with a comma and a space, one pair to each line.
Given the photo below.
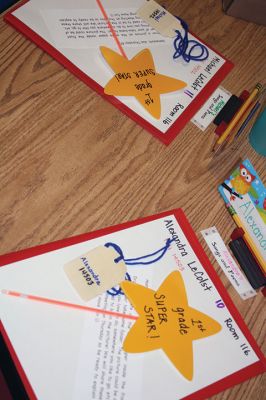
71, 163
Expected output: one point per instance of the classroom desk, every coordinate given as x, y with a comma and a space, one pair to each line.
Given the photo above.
72, 163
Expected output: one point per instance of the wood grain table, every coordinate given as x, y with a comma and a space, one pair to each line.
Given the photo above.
70, 162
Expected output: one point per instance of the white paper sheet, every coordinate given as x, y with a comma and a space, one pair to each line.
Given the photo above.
87, 29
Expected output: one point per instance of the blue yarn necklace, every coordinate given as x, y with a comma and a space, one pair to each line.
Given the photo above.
189, 50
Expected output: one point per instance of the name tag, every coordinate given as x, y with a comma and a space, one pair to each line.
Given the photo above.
94, 272
159, 18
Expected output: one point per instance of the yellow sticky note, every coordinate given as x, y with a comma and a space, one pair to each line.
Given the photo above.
95, 272
137, 77
167, 322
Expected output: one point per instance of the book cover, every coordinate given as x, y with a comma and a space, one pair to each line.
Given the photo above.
245, 191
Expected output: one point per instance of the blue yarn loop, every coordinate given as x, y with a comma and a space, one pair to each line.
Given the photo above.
137, 260
116, 291
188, 49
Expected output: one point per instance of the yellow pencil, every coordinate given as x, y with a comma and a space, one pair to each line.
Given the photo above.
255, 106
237, 117
247, 237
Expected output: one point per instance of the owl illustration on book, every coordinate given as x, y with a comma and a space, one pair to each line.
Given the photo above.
241, 182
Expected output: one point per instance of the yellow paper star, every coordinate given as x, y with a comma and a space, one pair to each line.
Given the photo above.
137, 77
167, 321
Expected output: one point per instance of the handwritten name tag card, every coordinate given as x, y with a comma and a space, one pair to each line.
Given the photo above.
169, 324
95, 272
159, 18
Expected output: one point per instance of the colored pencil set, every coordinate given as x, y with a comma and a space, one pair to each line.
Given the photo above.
237, 116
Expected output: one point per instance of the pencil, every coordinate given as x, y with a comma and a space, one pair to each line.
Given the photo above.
248, 115
262, 100
237, 117
66, 304
248, 119
243, 121
246, 236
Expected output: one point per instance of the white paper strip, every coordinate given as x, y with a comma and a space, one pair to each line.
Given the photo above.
211, 108
227, 263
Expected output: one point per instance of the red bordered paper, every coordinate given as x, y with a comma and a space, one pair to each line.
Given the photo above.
176, 126
227, 382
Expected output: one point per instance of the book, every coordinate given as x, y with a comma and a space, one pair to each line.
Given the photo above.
63, 348
75, 33
245, 193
